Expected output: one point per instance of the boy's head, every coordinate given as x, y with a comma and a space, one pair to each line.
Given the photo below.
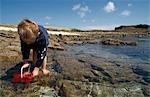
28, 31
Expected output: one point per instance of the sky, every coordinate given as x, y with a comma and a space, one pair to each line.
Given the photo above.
82, 14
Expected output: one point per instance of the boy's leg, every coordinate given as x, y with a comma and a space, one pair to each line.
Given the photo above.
45, 71
36, 69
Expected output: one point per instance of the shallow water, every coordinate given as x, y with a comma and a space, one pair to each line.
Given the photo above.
138, 54
138, 57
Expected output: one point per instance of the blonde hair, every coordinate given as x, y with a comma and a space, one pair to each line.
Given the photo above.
28, 31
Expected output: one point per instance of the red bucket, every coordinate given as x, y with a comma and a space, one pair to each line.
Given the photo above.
22, 77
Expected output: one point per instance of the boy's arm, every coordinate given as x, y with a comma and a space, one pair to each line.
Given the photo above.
41, 46
41, 53
25, 52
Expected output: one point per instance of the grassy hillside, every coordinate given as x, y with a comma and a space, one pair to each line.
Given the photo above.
143, 28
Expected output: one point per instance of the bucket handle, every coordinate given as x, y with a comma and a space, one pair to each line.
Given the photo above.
23, 68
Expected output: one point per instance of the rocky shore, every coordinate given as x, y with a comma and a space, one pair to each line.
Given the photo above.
73, 75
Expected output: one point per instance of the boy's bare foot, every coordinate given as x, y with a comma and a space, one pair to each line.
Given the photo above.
35, 72
45, 71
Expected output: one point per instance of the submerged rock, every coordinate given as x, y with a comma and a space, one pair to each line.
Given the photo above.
145, 74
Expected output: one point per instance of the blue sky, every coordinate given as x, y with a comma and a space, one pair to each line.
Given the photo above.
83, 14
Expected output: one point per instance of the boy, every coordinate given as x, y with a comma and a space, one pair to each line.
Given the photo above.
33, 36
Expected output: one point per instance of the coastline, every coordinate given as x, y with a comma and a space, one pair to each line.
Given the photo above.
74, 75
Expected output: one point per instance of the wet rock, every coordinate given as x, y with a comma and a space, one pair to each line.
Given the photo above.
145, 74
146, 90
7, 34
117, 42
74, 42
56, 48
100, 69
14, 48
57, 68
88, 89
55, 44
47, 92
68, 90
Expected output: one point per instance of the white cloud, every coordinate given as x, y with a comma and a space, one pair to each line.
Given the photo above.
48, 17
129, 4
126, 13
81, 10
76, 7
110, 7
81, 14
46, 23
85, 9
